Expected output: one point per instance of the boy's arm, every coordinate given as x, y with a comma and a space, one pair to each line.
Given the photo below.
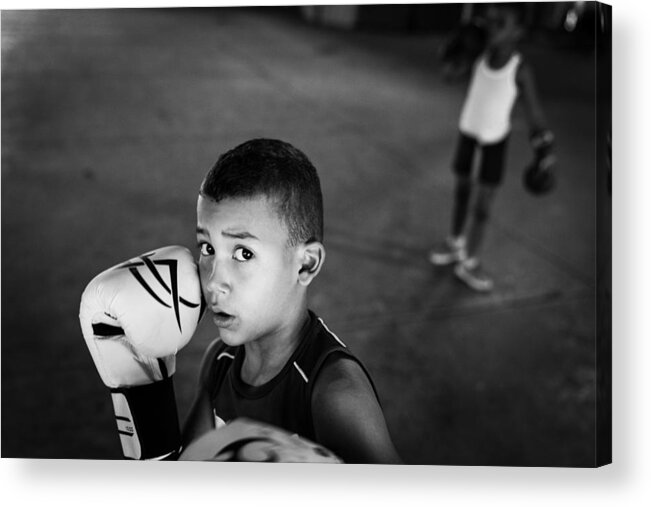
347, 416
200, 419
532, 106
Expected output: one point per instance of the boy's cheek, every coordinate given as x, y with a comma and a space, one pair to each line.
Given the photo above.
203, 279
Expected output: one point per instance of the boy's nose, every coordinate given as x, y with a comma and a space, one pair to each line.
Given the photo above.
217, 281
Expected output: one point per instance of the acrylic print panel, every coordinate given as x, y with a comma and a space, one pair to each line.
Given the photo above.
112, 117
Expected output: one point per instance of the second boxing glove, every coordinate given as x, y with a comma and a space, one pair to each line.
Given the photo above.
134, 317
539, 177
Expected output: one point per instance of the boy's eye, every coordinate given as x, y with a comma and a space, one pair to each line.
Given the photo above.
206, 249
242, 254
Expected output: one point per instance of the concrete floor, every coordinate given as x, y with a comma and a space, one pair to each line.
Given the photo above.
110, 119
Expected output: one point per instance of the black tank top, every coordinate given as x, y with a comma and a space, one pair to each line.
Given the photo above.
284, 401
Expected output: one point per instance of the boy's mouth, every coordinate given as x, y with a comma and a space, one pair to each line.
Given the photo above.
223, 319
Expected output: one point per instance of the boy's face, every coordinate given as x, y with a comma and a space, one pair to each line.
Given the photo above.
502, 26
249, 273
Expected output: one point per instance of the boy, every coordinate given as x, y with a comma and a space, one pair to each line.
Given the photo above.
260, 233
499, 76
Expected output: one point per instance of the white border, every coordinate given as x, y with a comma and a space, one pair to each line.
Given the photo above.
626, 482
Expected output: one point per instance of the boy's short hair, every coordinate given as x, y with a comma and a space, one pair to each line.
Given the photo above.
279, 171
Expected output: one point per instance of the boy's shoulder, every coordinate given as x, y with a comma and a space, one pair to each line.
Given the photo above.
336, 363
319, 327
319, 342
318, 345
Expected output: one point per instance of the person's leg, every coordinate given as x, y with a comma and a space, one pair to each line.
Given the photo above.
490, 176
462, 194
452, 249
469, 268
480, 219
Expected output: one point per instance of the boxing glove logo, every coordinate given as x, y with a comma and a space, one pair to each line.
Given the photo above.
173, 291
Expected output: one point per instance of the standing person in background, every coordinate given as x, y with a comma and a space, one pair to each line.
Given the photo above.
499, 77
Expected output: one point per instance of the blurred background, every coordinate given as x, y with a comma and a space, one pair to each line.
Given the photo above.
110, 119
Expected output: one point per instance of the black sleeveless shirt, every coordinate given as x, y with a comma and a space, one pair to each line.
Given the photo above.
284, 401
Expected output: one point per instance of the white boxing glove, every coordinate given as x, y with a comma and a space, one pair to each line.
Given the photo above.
244, 439
135, 317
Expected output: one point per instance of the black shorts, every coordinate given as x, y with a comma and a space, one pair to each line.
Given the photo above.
491, 164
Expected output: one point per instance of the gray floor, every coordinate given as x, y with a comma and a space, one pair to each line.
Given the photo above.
110, 120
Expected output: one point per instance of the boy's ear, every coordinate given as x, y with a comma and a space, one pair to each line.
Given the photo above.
312, 256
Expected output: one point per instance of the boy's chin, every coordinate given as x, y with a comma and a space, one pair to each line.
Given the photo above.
230, 337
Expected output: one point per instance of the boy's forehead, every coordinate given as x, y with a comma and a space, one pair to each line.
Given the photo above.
251, 213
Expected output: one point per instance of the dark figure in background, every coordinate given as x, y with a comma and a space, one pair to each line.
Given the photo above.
499, 77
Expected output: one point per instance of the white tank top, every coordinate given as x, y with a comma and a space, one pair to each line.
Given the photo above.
486, 113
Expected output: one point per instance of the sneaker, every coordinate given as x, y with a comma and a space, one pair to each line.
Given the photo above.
453, 250
469, 271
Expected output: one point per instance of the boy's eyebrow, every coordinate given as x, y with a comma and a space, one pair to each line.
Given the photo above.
230, 234
239, 235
